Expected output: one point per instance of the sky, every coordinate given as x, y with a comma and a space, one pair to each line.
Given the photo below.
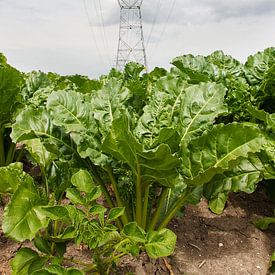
81, 36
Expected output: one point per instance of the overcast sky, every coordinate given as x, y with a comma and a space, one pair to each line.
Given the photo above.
66, 37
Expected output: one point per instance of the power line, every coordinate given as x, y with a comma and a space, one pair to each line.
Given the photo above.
165, 25
92, 30
154, 22
104, 30
98, 9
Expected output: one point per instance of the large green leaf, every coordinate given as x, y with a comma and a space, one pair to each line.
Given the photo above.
11, 82
23, 217
160, 243
200, 105
243, 177
215, 149
216, 67
83, 181
30, 124
39, 153
11, 177
153, 165
68, 109
257, 65
161, 113
37, 123
22, 261
108, 102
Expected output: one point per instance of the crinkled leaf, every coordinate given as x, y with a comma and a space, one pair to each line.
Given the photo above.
160, 112
68, 109
39, 153
243, 177
215, 149
258, 65
155, 165
108, 102
200, 105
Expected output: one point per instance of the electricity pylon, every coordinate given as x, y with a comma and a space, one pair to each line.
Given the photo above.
131, 40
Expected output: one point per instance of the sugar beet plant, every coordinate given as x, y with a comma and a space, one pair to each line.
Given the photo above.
151, 144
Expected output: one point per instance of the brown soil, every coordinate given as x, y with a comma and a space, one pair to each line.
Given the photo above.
228, 244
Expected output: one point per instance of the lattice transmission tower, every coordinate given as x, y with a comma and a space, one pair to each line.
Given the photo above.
131, 40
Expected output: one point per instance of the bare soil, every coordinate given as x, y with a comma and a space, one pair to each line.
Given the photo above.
228, 244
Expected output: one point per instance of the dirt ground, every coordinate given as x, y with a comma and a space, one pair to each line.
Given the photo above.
228, 244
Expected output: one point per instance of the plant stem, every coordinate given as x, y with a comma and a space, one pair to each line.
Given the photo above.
145, 206
160, 204
102, 185
10, 155
104, 189
120, 203
138, 197
45, 179
171, 213
2, 148
20, 155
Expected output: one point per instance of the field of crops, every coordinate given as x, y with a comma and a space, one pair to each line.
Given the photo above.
111, 164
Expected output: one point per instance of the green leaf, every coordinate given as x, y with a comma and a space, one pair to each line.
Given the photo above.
31, 124
216, 149
23, 217
83, 181
98, 209
243, 176
42, 245
37, 123
23, 259
39, 153
200, 105
11, 82
161, 112
116, 213
217, 203
134, 232
55, 212
75, 196
160, 243
257, 65
153, 165
70, 110
11, 177
264, 223
37, 264
94, 194
108, 102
